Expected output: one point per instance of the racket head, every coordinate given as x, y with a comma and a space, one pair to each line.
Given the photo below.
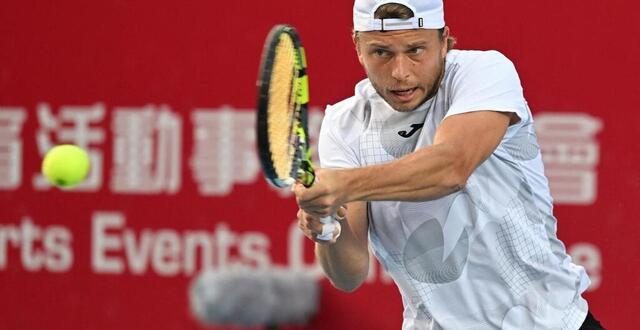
283, 97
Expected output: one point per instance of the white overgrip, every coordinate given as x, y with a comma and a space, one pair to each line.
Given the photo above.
331, 229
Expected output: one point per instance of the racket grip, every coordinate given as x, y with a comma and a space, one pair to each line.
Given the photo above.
331, 229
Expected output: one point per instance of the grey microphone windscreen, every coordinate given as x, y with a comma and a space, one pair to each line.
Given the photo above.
251, 297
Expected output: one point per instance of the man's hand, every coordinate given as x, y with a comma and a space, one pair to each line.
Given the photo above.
325, 196
312, 227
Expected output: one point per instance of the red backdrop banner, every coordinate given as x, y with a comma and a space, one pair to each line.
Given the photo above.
162, 95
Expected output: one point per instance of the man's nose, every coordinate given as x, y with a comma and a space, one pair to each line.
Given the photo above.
401, 67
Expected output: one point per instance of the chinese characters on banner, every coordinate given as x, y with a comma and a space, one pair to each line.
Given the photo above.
224, 149
72, 125
147, 150
11, 122
571, 153
147, 147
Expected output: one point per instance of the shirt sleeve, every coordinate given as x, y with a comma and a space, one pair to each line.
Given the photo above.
334, 151
490, 82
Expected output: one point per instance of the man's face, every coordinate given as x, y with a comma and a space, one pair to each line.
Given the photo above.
404, 66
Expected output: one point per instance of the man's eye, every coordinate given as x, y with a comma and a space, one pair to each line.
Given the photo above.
416, 50
381, 52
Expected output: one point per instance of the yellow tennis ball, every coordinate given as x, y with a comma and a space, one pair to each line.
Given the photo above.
65, 165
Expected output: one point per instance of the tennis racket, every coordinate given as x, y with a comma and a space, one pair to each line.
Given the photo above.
283, 96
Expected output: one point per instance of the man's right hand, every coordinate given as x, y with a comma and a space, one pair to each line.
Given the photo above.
346, 261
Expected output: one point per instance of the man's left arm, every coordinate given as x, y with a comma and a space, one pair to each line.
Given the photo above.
461, 143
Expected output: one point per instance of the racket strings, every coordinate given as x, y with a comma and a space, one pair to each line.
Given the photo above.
282, 121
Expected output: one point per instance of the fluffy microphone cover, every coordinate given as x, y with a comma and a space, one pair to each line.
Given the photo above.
251, 297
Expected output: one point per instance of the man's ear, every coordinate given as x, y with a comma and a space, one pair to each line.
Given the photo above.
445, 42
356, 44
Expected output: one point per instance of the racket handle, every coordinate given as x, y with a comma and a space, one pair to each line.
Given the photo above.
331, 229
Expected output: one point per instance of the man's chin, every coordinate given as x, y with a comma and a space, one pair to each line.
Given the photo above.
405, 106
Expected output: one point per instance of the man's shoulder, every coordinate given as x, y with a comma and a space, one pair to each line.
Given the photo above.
346, 119
477, 58
354, 107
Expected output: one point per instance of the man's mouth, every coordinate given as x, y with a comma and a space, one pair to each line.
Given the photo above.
403, 94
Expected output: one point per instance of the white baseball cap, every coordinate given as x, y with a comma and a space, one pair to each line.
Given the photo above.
428, 14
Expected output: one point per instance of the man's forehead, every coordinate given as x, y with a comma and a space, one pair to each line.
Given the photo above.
399, 37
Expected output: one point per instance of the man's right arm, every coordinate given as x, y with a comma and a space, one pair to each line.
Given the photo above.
346, 262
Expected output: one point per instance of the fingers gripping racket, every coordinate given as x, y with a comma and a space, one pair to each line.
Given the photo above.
283, 96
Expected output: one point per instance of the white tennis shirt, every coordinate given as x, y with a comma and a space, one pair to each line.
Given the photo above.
486, 257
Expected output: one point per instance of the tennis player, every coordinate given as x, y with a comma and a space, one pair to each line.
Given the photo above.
434, 163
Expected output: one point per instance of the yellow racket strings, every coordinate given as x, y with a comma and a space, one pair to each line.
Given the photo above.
282, 93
